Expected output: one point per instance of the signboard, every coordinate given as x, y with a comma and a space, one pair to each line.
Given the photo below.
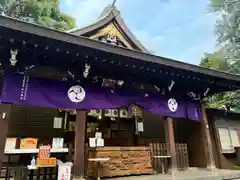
96, 142
57, 123
140, 126
44, 152
57, 143
44, 159
46, 162
28, 143
10, 144
64, 171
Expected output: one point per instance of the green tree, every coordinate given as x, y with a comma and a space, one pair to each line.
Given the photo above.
228, 59
226, 100
43, 12
215, 61
228, 30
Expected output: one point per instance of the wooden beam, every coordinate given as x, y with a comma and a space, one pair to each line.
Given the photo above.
170, 140
79, 154
5, 115
207, 139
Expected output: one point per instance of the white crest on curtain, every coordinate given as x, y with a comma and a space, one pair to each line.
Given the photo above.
76, 94
172, 104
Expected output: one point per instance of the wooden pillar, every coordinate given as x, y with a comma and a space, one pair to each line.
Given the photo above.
207, 139
79, 154
170, 140
5, 115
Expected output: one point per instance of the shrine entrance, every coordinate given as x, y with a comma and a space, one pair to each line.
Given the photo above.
190, 133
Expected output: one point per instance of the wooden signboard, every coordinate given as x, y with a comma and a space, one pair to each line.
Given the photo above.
123, 161
28, 143
10, 144
44, 152
46, 162
44, 159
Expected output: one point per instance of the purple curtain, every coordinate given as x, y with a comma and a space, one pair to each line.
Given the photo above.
20, 89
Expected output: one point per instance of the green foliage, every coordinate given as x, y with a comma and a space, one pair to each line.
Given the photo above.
218, 62
228, 59
215, 61
228, 26
229, 100
43, 12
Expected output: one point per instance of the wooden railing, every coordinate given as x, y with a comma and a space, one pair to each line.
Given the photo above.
182, 156
160, 149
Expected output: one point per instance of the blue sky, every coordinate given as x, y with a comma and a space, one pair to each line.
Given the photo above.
179, 29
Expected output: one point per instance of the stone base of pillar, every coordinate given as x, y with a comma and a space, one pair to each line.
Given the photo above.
211, 167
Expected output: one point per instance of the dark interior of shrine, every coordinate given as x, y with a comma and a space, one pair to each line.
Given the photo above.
28, 121
190, 132
186, 131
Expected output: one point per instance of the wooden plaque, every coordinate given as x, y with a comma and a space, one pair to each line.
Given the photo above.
44, 152
123, 161
28, 143
46, 162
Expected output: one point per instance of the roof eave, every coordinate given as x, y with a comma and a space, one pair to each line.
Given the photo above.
92, 27
29, 28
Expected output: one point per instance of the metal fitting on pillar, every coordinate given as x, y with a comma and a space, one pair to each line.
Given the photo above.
13, 58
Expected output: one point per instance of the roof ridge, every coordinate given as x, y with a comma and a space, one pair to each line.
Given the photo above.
108, 14
107, 10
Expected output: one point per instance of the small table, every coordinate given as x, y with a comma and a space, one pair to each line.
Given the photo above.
162, 157
98, 160
11, 152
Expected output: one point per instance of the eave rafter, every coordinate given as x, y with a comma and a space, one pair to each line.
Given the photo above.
66, 50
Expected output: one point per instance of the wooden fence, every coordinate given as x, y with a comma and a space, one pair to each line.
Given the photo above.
182, 156
160, 149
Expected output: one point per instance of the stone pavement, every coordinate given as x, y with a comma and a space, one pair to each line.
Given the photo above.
193, 174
